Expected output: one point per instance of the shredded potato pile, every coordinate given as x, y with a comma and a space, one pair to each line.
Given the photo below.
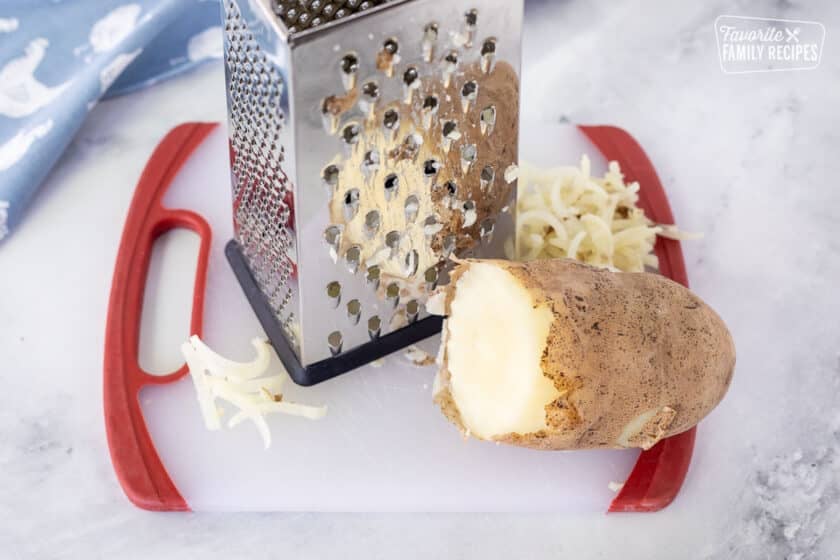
566, 212
242, 385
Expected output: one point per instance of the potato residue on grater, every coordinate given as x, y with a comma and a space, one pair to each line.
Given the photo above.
422, 169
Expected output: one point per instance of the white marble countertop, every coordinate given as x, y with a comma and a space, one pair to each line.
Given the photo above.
751, 160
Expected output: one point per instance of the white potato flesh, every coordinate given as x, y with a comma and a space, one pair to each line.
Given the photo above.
495, 342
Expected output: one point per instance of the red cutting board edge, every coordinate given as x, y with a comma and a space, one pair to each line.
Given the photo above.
652, 485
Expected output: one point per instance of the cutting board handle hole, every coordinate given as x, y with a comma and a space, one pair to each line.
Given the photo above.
167, 301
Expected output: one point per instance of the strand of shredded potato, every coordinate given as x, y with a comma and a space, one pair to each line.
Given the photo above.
565, 212
243, 385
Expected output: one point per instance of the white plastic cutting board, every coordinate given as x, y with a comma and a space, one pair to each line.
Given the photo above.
383, 447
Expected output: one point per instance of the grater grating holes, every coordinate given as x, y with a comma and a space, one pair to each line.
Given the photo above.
334, 293
374, 327
301, 15
336, 342
354, 312
392, 294
353, 259
261, 190
373, 276
412, 311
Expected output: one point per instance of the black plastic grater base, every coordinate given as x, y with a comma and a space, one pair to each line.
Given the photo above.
333, 367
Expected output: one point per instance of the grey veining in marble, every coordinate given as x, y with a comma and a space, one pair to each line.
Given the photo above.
751, 160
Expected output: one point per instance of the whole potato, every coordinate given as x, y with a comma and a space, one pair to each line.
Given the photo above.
554, 354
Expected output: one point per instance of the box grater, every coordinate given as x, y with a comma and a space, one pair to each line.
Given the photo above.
370, 142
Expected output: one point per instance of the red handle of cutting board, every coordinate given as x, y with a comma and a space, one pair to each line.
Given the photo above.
136, 462
660, 472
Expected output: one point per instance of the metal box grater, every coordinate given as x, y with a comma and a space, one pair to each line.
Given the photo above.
370, 142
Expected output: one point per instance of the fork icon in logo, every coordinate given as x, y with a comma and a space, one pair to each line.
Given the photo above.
793, 36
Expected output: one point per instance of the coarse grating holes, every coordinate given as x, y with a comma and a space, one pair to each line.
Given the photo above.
390, 138
353, 258
330, 177
392, 186
412, 208
370, 91
488, 120
391, 123
451, 188
470, 213
334, 293
450, 242
450, 133
351, 134
411, 82
431, 167
392, 241
372, 222
469, 153
470, 24
329, 119
374, 327
373, 276
351, 204
432, 226
370, 163
471, 19
349, 70
336, 343
430, 109
370, 95
354, 311
332, 235
469, 93
488, 55
412, 311
431, 278
448, 67
261, 189
391, 46
392, 294
430, 37
388, 57
488, 177
350, 63
488, 227
412, 260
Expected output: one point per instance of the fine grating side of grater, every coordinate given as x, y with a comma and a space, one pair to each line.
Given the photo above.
370, 142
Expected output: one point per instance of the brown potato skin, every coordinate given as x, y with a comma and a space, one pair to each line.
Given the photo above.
621, 344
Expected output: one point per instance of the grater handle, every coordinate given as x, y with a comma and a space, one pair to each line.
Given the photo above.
136, 462
660, 471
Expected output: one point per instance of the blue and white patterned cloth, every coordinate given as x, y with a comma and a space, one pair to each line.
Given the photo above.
59, 57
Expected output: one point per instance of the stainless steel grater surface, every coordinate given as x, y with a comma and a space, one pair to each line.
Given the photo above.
370, 141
